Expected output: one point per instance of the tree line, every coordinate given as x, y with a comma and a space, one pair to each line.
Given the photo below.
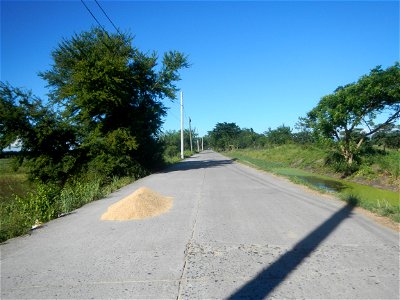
356, 119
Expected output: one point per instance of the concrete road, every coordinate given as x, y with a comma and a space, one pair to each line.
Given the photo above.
232, 233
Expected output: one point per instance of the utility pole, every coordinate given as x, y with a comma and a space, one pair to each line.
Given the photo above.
182, 155
198, 145
202, 144
190, 135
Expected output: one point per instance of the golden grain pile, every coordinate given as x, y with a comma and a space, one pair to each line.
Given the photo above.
143, 203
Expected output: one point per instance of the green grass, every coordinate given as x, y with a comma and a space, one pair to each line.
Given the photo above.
12, 182
170, 160
281, 160
22, 202
380, 163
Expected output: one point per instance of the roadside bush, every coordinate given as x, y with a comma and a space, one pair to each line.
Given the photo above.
171, 151
77, 193
41, 205
336, 161
48, 202
389, 162
13, 222
18, 216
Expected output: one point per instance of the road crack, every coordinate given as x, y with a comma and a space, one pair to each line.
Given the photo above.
189, 245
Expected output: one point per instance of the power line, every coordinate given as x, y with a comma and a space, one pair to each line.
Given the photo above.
93, 16
98, 4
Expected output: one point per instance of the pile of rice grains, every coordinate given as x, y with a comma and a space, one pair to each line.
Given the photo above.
143, 203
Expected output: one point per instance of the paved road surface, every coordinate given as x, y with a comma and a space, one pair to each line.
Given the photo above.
232, 233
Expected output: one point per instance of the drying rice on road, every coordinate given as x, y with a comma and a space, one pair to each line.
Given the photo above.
143, 203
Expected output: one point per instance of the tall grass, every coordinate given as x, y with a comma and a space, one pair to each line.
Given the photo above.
49, 201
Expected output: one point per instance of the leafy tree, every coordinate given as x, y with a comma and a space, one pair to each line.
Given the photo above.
224, 136
47, 139
108, 99
171, 141
113, 94
248, 138
339, 116
303, 137
279, 136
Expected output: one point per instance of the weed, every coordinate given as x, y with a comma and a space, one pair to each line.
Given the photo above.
48, 202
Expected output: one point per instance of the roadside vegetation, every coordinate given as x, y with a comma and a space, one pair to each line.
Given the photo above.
307, 166
98, 130
340, 143
171, 141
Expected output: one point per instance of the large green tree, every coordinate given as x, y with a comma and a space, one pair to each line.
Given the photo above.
348, 116
114, 93
225, 136
110, 96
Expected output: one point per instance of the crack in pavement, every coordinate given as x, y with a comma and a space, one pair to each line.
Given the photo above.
190, 242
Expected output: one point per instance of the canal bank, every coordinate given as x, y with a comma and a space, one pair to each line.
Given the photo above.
383, 202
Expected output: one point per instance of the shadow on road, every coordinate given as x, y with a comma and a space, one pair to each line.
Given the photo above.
272, 276
197, 164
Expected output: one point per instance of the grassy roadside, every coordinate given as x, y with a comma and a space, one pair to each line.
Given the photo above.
24, 204
296, 165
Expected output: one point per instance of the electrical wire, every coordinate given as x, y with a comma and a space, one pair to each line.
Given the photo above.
98, 4
93, 16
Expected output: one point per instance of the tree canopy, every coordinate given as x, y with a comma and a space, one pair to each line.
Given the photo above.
348, 116
105, 109
224, 136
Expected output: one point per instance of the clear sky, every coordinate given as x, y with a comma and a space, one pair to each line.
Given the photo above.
259, 64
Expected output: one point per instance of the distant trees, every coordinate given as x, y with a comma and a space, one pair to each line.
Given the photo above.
228, 136
388, 137
104, 113
347, 117
279, 136
225, 136
248, 138
171, 141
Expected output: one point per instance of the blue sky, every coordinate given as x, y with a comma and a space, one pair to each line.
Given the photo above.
258, 64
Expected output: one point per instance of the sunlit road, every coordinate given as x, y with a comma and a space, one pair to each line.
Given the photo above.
232, 233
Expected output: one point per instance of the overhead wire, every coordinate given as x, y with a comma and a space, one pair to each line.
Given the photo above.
115, 27
94, 16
